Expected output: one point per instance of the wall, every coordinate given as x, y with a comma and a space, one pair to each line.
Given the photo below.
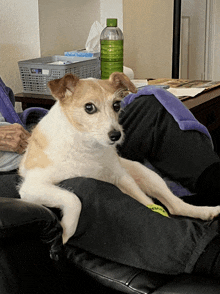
19, 26
31, 28
65, 24
111, 9
148, 26
216, 41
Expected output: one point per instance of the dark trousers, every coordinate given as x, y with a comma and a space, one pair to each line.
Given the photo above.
115, 226
152, 133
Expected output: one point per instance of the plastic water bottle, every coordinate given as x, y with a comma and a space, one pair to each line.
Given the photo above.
111, 49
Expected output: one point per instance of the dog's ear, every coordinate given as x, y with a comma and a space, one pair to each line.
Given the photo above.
121, 81
59, 87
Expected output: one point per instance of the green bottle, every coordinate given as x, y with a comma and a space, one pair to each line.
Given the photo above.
111, 49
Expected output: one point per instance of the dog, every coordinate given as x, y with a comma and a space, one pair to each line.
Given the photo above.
78, 137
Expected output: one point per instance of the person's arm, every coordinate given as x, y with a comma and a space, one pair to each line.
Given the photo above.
13, 138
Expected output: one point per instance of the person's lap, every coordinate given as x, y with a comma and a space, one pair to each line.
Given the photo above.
117, 227
8, 185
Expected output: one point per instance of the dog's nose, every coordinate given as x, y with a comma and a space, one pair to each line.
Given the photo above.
114, 135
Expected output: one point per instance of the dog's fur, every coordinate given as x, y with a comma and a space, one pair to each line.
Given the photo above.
70, 142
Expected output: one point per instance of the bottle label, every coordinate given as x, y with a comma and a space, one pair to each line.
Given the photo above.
111, 57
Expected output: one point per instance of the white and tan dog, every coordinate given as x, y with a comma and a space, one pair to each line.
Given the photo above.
78, 137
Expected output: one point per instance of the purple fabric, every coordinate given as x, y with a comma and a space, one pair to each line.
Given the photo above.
173, 105
32, 115
6, 105
7, 100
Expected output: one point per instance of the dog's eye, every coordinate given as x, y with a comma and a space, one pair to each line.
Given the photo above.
90, 108
117, 106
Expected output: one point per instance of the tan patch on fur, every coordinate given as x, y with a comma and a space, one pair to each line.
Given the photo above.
94, 91
74, 93
35, 156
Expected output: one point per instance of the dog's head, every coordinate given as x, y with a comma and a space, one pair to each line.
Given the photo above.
93, 106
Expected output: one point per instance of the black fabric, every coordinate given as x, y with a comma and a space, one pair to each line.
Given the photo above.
115, 226
14, 171
152, 133
209, 262
8, 185
208, 185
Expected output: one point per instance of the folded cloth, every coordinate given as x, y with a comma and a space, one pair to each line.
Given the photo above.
173, 105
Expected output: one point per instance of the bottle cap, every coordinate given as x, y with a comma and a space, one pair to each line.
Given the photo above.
111, 22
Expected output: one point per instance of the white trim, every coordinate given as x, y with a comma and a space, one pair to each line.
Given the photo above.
209, 40
184, 47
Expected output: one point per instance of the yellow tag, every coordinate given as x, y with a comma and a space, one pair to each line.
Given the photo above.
158, 209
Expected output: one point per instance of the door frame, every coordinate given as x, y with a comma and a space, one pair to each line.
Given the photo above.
209, 45
209, 40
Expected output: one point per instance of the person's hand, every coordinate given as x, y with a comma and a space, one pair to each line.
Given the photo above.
13, 138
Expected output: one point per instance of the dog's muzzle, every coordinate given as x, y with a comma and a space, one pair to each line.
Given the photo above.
114, 135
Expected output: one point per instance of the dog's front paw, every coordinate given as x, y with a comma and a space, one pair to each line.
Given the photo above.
69, 227
70, 218
67, 233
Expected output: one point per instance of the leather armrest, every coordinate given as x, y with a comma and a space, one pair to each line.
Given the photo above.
185, 283
20, 218
131, 280
117, 276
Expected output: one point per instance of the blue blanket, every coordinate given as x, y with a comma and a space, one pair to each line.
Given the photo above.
173, 105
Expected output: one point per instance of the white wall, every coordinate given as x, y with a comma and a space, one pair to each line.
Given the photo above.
21, 32
148, 33
65, 24
216, 42
19, 27
34, 28
111, 9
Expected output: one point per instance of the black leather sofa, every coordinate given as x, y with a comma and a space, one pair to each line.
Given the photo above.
33, 260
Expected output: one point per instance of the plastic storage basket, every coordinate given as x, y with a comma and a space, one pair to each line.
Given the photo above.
36, 73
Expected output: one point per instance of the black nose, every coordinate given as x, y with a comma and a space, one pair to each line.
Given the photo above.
114, 135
